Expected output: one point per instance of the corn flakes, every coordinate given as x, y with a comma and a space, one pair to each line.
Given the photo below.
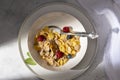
54, 47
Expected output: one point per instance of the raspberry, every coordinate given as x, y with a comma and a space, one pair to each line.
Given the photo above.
66, 29
59, 54
41, 38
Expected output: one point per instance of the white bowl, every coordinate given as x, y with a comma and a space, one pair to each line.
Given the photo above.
60, 19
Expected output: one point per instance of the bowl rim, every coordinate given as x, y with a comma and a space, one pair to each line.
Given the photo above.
34, 31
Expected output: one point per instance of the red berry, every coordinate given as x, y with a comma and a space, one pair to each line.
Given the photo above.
41, 38
59, 54
66, 29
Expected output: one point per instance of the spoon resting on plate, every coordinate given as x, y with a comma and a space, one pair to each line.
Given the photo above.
66, 31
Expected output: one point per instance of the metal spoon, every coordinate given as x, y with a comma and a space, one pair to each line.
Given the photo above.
91, 35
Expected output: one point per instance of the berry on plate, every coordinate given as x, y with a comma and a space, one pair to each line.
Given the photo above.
59, 54
41, 38
69, 56
66, 29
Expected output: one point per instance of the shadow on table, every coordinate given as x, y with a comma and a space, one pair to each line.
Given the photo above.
12, 15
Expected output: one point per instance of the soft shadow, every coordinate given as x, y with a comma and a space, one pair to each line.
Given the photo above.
12, 15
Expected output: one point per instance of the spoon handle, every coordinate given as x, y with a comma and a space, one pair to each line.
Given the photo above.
91, 35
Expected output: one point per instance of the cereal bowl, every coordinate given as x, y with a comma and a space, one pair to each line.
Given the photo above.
58, 14
59, 19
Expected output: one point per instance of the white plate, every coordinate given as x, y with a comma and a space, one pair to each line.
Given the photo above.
89, 55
